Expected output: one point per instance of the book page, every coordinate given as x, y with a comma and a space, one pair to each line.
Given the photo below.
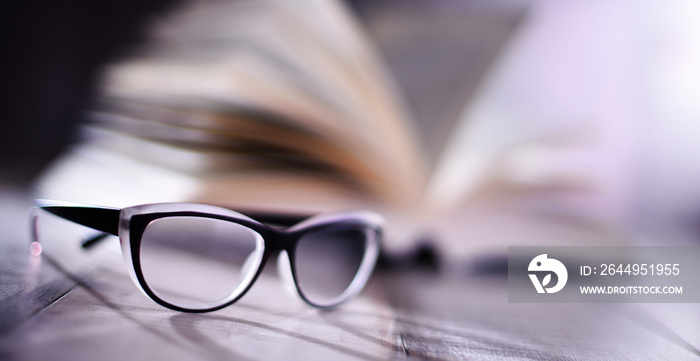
322, 48
547, 140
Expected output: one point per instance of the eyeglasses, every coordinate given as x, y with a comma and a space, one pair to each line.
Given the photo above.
199, 258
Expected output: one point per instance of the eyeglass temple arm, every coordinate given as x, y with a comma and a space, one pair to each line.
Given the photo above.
102, 219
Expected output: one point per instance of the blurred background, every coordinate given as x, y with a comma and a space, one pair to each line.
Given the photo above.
50, 63
588, 108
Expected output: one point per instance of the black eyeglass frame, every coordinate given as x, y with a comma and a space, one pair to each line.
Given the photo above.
130, 223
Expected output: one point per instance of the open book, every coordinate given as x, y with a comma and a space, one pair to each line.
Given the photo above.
275, 106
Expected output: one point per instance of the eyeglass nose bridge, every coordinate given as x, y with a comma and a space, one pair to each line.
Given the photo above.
282, 244
278, 241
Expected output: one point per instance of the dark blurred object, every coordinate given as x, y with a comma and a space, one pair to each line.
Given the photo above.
50, 53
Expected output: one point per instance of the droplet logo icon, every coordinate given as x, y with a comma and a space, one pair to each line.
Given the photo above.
542, 263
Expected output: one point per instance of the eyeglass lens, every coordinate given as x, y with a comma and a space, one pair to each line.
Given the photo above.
328, 260
198, 262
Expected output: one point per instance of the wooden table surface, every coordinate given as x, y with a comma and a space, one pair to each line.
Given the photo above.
93, 311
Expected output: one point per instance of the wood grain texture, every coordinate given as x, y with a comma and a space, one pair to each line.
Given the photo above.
74, 312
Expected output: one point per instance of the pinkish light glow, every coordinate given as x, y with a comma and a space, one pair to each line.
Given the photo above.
35, 248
